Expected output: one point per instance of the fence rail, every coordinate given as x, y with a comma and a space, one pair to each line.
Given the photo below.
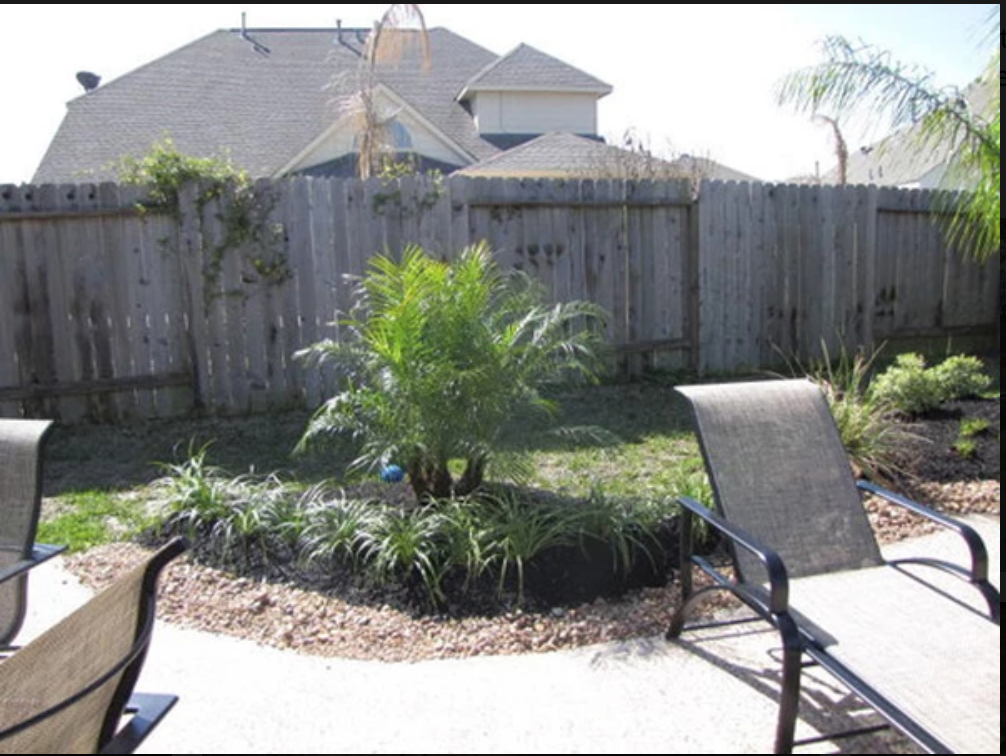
107, 313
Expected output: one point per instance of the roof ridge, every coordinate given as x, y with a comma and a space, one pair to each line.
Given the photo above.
490, 68
587, 83
298, 29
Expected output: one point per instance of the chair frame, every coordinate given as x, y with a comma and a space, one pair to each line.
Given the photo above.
773, 606
32, 554
144, 711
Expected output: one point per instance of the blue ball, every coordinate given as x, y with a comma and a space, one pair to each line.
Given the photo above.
392, 474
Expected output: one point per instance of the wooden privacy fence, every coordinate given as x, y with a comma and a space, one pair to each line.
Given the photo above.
107, 313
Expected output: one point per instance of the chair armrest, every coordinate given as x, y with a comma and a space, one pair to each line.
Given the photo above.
40, 554
979, 551
146, 712
778, 576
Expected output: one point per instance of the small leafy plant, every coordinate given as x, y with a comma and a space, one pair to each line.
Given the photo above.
971, 430
915, 389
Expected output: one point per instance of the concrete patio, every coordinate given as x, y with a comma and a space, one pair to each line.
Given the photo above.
712, 694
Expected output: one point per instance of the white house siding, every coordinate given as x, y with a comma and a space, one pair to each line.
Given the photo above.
341, 141
535, 113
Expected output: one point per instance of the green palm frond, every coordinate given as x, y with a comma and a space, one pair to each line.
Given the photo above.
443, 358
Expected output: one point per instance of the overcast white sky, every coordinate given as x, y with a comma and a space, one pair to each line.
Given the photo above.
695, 78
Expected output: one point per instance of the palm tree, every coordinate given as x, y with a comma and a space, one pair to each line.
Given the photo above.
445, 361
402, 27
841, 147
862, 78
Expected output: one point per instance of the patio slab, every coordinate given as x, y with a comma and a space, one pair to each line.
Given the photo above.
714, 693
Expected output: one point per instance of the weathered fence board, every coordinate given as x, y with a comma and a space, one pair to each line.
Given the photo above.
107, 313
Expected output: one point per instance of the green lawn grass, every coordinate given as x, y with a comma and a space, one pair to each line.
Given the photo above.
647, 452
83, 521
99, 480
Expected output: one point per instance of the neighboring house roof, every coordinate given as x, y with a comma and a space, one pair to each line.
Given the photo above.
709, 169
904, 160
573, 156
526, 69
557, 156
896, 161
266, 96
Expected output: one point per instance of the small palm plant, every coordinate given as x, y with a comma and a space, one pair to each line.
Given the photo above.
441, 359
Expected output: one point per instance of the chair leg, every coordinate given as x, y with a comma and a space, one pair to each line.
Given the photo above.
792, 674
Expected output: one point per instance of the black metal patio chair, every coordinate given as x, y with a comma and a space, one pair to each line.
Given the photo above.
806, 560
21, 443
71, 689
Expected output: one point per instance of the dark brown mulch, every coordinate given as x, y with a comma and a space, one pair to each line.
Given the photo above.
932, 457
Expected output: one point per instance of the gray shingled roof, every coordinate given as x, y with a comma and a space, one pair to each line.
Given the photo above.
526, 69
570, 156
223, 93
551, 155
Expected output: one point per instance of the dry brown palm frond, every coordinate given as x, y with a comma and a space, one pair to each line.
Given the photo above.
400, 30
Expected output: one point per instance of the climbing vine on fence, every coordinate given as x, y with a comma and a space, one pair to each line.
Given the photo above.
243, 210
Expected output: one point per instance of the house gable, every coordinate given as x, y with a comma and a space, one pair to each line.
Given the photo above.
409, 132
527, 92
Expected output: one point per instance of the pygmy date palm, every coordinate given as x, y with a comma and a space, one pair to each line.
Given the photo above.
439, 360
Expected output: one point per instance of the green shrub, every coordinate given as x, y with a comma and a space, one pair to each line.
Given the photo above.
440, 360
334, 528
245, 522
908, 386
962, 378
975, 427
914, 389
967, 441
231, 516
627, 528
165, 171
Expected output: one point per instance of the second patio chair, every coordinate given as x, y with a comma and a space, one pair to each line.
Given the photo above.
806, 560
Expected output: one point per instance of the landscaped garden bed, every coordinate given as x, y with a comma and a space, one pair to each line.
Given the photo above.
360, 626
462, 495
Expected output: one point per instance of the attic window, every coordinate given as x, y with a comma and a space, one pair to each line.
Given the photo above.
399, 137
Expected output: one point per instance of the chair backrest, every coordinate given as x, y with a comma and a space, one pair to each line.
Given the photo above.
20, 505
780, 471
66, 691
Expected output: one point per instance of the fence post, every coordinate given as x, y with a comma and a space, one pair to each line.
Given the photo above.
693, 266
